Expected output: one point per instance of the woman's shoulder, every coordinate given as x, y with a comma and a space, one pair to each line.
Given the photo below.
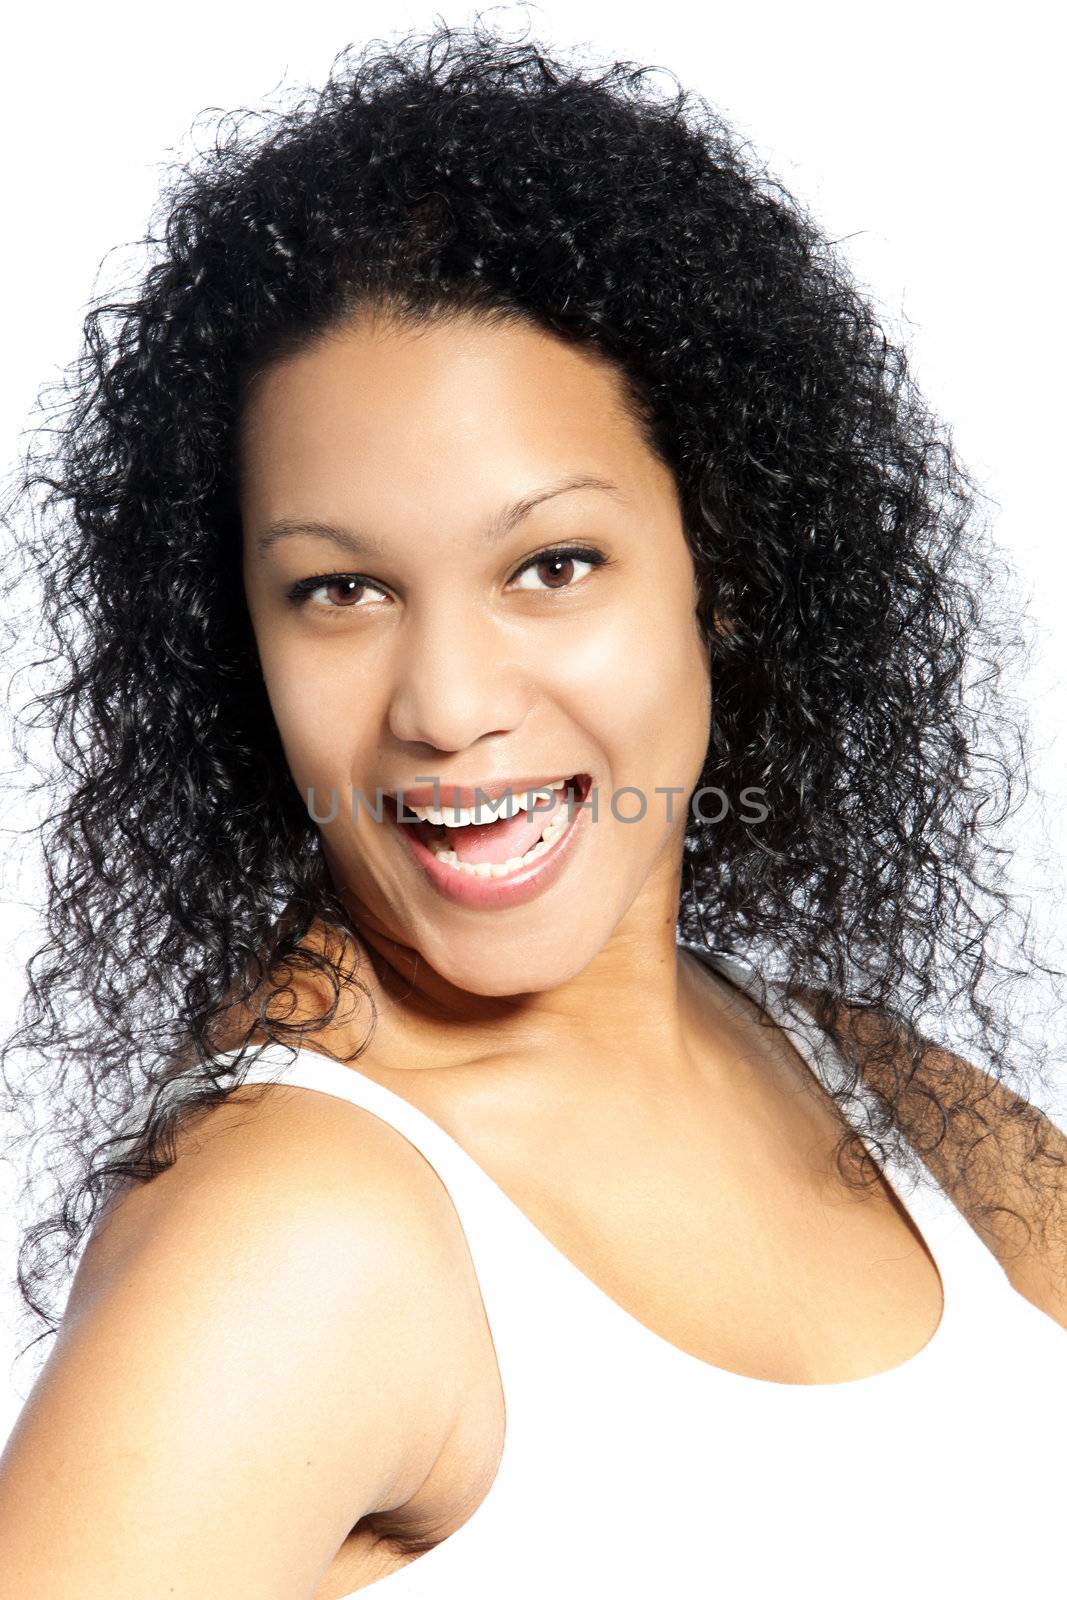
285, 1152
1000, 1159
278, 1161
276, 1318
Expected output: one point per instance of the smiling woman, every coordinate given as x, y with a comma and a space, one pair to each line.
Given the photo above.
509, 596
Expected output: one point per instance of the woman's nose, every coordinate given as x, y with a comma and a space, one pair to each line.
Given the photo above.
454, 682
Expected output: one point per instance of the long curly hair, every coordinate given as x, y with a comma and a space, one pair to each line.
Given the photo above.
858, 677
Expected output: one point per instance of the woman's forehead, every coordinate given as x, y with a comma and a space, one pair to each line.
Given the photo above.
475, 414
445, 370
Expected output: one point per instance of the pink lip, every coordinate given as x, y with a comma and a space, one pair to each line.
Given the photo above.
495, 893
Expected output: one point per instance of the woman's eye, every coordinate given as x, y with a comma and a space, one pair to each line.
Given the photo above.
558, 567
346, 586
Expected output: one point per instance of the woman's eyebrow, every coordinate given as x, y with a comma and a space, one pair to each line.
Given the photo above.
362, 544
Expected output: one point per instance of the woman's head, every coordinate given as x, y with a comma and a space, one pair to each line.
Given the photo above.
464, 270
392, 453
621, 253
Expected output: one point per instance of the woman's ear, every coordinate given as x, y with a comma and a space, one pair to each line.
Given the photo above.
714, 625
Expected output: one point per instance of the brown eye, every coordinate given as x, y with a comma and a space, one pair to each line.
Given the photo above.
344, 591
557, 571
557, 568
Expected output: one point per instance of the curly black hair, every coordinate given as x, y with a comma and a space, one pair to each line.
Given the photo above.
858, 676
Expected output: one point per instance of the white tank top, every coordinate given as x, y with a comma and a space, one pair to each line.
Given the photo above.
632, 1470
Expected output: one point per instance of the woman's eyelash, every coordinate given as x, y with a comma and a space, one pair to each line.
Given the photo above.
302, 590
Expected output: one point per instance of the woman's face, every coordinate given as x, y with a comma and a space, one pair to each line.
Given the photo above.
435, 637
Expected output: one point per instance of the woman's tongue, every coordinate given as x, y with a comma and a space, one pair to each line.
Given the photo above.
497, 842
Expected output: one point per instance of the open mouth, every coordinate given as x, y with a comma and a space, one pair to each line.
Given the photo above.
502, 844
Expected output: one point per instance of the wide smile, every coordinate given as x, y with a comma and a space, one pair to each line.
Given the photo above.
494, 863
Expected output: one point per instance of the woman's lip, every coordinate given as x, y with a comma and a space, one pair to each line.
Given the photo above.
462, 888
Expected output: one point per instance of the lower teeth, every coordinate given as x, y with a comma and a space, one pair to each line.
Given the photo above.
501, 869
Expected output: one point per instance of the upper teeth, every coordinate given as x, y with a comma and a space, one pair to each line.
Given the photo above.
490, 811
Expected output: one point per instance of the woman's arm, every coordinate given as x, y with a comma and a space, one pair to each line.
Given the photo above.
249, 1363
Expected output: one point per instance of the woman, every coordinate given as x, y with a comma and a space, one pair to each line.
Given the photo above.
513, 598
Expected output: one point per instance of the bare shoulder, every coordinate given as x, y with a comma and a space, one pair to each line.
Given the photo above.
281, 1151
265, 1344
1014, 1155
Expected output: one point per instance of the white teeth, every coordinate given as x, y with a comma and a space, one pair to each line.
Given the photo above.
490, 811
501, 869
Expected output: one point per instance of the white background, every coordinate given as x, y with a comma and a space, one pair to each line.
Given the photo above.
924, 136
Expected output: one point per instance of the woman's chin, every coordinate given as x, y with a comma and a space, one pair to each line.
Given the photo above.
493, 969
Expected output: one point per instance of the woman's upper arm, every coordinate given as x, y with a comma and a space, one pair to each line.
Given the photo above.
253, 1363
